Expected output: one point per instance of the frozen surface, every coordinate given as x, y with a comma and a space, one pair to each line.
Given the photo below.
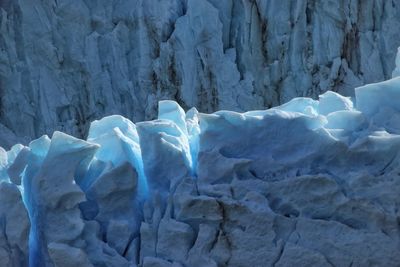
66, 63
396, 71
307, 183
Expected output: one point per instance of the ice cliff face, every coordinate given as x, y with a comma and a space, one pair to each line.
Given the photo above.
64, 63
307, 183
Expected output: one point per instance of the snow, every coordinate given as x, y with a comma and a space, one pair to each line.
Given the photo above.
372, 97
119, 143
170, 110
40, 146
330, 102
13, 152
158, 190
303, 105
347, 120
103, 126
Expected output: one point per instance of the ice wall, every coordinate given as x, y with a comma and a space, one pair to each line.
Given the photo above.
307, 183
66, 63
396, 71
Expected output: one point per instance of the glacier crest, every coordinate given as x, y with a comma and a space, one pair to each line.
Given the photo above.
266, 187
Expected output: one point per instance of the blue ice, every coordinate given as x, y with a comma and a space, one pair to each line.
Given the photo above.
333, 134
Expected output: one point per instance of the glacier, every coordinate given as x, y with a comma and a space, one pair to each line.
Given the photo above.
65, 63
307, 183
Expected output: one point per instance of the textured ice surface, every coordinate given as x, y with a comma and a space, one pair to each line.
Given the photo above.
66, 63
308, 183
396, 71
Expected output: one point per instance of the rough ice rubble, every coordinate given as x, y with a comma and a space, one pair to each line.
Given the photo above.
311, 182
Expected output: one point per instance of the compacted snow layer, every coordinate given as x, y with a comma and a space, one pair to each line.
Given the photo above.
65, 63
308, 183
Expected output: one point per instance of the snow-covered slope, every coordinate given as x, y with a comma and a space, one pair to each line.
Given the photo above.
307, 183
64, 63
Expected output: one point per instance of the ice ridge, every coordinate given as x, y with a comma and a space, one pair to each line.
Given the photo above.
311, 182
